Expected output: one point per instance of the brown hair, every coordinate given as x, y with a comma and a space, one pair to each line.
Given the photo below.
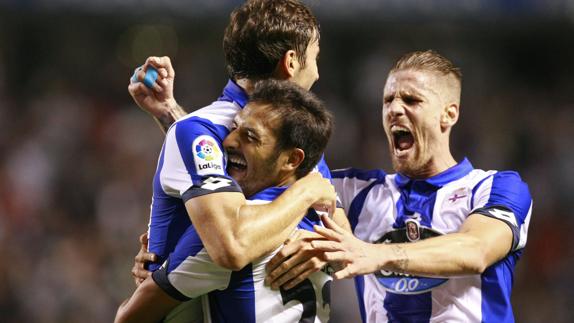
260, 32
302, 120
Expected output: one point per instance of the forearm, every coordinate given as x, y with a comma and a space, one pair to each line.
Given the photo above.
148, 304
448, 255
169, 115
263, 228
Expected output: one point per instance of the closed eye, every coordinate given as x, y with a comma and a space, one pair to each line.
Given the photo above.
411, 100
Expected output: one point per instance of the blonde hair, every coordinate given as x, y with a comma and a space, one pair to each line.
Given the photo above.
428, 60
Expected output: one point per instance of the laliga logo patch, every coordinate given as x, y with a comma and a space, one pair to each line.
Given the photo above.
208, 157
207, 149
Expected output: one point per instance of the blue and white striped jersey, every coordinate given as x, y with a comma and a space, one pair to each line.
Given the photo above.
192, 162
386, 208
192, 156
192, 152
241, 296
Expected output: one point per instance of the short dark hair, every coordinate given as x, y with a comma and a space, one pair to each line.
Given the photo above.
302, 120
260, 32
428, 60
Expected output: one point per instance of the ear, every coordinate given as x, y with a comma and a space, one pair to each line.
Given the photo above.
294, 158
449, 116
287, 65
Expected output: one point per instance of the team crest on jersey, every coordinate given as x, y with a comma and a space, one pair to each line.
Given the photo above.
207, 156
412, 230
400, 283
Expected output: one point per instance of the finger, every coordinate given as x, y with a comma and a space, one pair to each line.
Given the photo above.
309, 267
163, 83
141, 274
328, 233
143, 256
332, 209
143, 239
162, 72
280, 270
298, 279
326, 246
138, 89
136, 75
149, 257
336, 256
283, 255
331, 224
342, 274
156, 87
162, 62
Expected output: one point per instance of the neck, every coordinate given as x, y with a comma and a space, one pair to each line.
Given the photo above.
246, 84
287, 180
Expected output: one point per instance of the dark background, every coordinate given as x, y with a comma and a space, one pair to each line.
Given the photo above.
77, 156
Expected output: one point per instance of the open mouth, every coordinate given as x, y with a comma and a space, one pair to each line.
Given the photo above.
236, 163
403, 139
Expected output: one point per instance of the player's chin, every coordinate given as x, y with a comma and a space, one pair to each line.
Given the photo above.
237, 172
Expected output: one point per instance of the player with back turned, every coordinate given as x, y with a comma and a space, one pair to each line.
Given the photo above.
265, 39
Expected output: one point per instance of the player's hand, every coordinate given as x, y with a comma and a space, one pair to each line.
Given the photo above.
159, 100
352, 256
138, 271
321, 191
296, 261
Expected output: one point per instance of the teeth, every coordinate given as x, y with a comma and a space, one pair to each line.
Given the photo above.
237, 160
397, 128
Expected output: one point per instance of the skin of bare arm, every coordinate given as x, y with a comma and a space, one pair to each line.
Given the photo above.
481, 242
149, 303
235, 234
297, 260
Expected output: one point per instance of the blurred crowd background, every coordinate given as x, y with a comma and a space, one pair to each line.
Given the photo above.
77, 156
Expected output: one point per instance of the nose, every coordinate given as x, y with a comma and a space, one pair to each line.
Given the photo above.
231, 142
395, 108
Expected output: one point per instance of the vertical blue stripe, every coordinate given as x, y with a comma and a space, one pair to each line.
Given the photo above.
416, 197
360, 288
237, 302
408, 308
168, 220
358, 203
496, 288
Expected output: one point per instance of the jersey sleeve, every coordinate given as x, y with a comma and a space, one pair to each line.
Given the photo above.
349, 182
504, 196
189, 272
191, 155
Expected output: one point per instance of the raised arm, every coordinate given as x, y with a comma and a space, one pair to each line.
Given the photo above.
158, 101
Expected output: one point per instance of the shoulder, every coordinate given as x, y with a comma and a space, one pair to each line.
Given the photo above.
360, 174
218, 113
503, 182
503, 188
